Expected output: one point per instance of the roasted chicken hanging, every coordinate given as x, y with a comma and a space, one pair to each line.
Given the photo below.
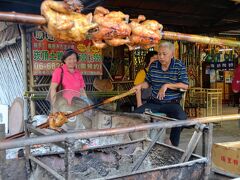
64, 24
113, 28
146, 34
74, 5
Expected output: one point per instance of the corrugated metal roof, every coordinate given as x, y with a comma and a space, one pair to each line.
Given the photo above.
11, 79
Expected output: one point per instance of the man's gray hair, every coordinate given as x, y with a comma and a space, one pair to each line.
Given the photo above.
167, 44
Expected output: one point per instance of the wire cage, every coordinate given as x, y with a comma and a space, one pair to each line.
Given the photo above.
206, 102
197, 97
214, 102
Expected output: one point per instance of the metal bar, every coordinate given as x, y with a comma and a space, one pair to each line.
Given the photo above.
139, 162
113, 131
189, 147
40, 85
2, 152
25, 86
209, 150
21, 134
31, 77
109, 74
69, 159
27, 151
192, 144
204, 144
38, 132
22, 18
160, 117
50, 170
24, 72
226, 174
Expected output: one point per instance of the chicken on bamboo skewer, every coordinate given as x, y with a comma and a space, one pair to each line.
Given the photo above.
66, 25
113, 28
145, 33
63, 21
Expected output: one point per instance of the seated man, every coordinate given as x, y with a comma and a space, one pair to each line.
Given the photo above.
166, 76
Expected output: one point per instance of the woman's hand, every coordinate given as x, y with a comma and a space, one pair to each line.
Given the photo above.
138, 92
162, 91
137, 89
53, 92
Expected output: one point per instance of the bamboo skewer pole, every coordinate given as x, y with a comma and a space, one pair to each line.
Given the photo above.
113, 131
21, 134
200, 39
75, 113
106, 101
40, 20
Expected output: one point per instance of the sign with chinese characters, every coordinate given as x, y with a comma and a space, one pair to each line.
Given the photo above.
47, 53
223, 66
226, 156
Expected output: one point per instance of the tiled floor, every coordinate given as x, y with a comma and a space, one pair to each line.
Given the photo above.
227, 132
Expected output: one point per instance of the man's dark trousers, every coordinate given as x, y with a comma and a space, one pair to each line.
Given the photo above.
172, 110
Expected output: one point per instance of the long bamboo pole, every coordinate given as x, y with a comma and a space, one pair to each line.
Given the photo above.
75, 113
199, 39
113, 131
106, 101
40, 20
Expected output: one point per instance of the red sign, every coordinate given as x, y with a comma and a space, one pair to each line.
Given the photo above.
47, 53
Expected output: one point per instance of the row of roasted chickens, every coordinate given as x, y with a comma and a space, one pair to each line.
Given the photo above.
104, 27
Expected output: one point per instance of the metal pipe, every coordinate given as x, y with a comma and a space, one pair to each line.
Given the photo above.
40, 85
199, 39
209, 150
139, 162
113, 131
53, 172
31, 80
22, 18
24, 72
2, 152
109, 74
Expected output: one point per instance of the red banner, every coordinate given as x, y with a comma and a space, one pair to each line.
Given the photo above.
47, 53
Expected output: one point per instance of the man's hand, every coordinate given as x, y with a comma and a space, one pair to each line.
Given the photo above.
141, 86
161, 93
137, 88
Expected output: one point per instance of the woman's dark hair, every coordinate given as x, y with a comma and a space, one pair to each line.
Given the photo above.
148, 57
68, 53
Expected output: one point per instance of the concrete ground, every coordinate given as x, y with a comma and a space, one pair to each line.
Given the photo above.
224, 132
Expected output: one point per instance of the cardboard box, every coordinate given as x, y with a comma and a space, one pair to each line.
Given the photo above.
226, 157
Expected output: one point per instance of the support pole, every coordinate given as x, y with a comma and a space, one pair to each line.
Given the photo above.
209, 151
2, 152
25, 74
192, 143
69, 159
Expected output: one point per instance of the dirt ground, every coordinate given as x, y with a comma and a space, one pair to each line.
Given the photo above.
224, 132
